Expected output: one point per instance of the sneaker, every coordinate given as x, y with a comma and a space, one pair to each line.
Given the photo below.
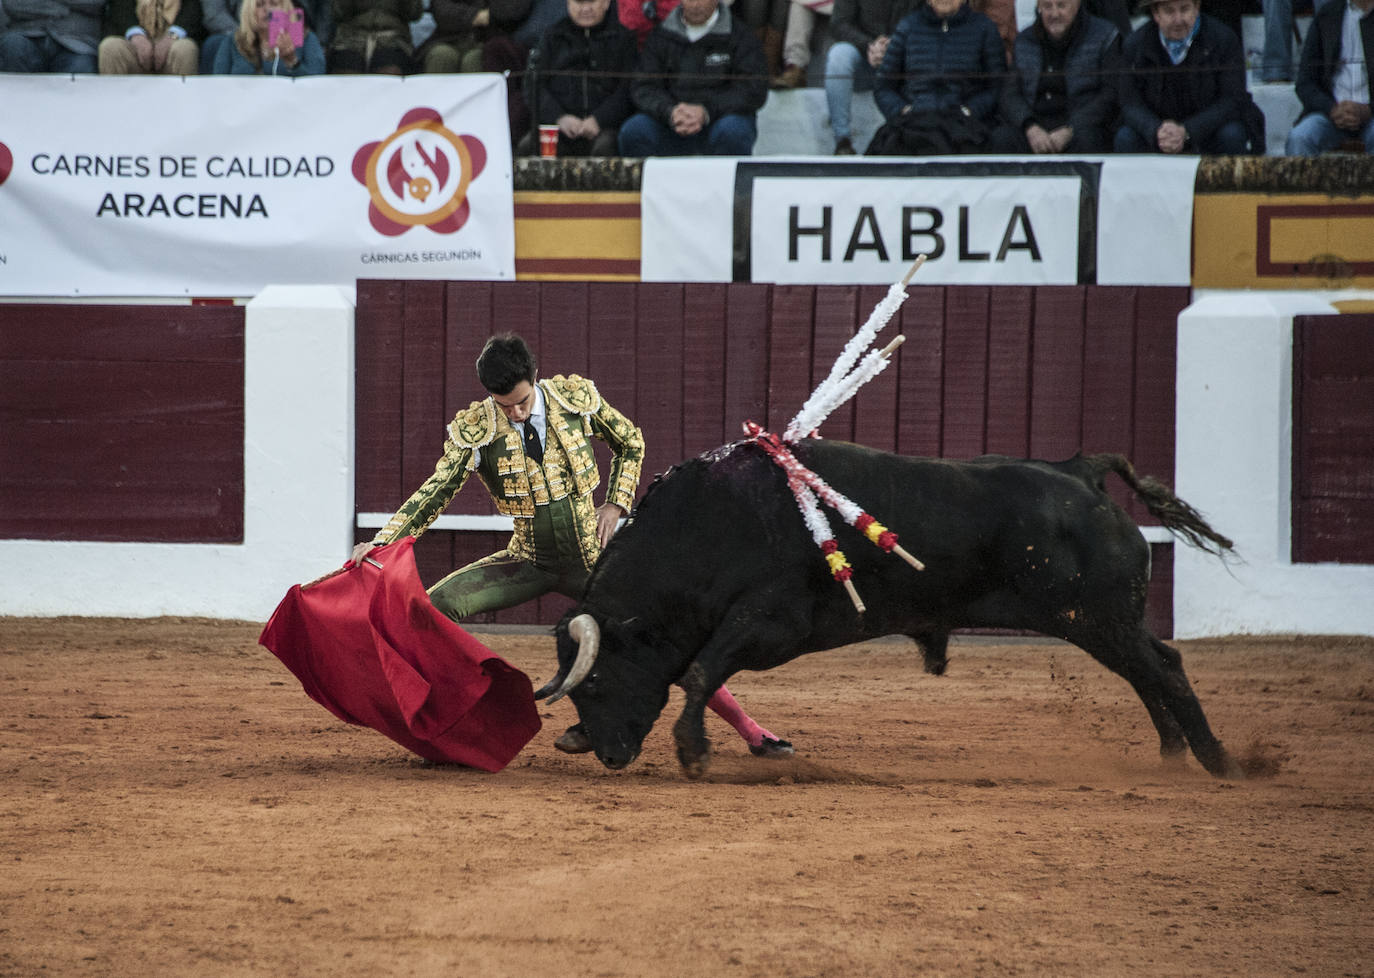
844, 147
772, 747
793, 76
574, 740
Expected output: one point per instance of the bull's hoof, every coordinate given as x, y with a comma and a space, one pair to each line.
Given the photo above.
694, 761
574, 740
1233, 770
695, 768
771, 747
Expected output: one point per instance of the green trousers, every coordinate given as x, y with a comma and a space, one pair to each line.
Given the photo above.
504, 580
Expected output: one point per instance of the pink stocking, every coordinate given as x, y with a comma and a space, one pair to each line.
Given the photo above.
728, 709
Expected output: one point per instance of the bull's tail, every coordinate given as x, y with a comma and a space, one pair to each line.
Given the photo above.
1172, 512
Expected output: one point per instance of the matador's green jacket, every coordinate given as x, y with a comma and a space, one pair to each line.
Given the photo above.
575, 411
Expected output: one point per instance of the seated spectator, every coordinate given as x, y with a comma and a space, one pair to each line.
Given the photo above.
860, 31
796, 40
461, 29
1061, 94
50, 35
1335, 83
699, 88
939, 82
253, 51
1184, 86
222, 20
585, 62
373, 36
151, 37
641, 18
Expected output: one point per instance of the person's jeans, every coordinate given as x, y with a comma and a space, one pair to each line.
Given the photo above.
1229, 140
1316, 133
730, 135
1277, 61
846, 70
42, 54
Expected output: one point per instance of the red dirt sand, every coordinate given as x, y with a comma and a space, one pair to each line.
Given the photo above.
174, 805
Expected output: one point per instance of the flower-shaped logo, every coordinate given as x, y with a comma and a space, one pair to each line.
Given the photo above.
419, 175
6, 162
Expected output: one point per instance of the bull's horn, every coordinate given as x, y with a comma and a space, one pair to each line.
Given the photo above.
549, 686
587, 633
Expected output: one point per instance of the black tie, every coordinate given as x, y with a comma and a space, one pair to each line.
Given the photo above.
532, 446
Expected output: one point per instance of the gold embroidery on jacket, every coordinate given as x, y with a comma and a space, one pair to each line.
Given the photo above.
517, 483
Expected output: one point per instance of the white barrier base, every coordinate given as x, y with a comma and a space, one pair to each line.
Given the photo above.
298, 489
1233, 462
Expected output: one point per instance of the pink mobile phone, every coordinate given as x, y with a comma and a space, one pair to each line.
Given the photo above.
292, 21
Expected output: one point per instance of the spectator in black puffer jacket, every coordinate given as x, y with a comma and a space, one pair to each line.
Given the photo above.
585, 63
701, 83
939, 81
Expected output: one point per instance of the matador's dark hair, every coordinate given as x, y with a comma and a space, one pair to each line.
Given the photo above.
505, 360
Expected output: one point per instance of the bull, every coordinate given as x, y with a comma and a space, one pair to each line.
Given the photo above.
715, 572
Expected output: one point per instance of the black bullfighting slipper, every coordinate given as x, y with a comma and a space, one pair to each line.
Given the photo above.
771, 747
574, 740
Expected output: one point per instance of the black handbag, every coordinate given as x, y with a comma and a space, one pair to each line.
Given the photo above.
929, 133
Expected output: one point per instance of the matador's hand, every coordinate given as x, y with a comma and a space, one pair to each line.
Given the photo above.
361, 551
607, 517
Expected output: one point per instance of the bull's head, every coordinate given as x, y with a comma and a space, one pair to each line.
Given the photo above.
609, 677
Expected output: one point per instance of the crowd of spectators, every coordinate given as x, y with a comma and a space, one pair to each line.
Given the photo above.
682, 77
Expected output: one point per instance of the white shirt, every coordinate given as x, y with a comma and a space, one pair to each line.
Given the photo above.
695, 34
537, 417
1351, 81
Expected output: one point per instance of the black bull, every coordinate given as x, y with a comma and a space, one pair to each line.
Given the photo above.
715, 572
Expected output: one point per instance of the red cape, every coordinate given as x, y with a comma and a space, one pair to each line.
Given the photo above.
368, 646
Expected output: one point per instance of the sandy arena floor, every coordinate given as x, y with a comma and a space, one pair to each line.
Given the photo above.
174, 805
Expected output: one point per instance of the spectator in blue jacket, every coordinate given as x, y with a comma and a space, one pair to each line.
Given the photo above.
50, 35
253, 51
222, 20
939, 82
700, 85
1061, 94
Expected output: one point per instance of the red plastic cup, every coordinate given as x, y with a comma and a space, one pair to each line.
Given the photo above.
548, 140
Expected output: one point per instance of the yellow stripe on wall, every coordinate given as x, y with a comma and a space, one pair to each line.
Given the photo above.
1276, 241
573, 227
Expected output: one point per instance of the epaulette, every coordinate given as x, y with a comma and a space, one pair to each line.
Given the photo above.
475, 425
573, 393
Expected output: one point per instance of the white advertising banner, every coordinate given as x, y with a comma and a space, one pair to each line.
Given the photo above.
218, 185
979, 220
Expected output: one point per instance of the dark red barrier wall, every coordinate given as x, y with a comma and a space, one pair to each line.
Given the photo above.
1021, 371
1333, 439
121, 423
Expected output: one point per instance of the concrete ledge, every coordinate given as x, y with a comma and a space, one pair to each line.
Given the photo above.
797, 123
